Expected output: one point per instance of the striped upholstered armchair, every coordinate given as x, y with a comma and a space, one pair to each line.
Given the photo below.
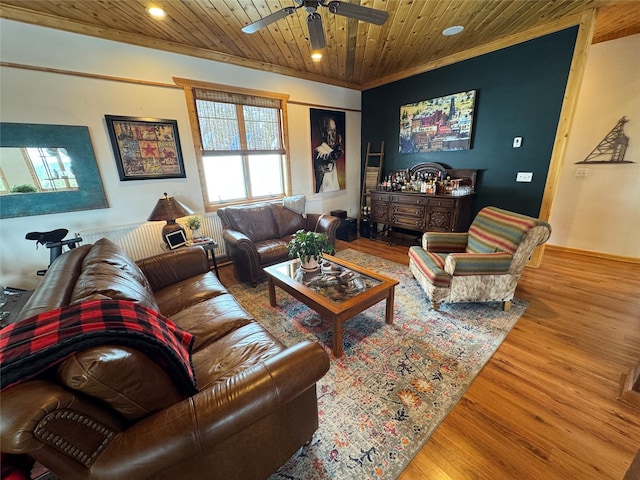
482, 265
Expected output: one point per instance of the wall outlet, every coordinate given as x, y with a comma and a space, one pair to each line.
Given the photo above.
517, 142
524, 177
582, 172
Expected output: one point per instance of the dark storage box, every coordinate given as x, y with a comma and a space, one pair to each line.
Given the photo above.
348, 229
341, 214
367, 229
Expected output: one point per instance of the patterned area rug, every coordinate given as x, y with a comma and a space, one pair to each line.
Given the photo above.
380, 402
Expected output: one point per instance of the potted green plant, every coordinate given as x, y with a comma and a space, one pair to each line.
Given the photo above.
23, 188
309, 247
194, 223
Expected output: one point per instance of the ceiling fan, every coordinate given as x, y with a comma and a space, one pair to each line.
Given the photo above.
314, 21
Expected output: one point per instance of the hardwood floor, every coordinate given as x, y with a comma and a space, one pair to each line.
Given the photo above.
545, 406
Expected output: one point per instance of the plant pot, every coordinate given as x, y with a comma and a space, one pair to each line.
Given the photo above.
310, 266
195, 233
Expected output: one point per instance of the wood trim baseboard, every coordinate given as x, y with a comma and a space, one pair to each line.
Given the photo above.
589, 253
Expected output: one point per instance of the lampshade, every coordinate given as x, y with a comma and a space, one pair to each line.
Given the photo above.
168, 209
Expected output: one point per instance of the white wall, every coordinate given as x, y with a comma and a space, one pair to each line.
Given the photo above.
601, 212
51, 98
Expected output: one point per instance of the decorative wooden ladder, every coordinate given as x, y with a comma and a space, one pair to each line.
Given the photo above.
371, 175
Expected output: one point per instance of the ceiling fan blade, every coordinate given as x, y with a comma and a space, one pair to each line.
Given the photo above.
358, 12
316, 33
274, 17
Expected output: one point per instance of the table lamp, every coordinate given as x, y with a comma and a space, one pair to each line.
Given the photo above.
168, 209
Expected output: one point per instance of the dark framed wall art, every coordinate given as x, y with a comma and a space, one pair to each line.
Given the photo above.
438, 124
328, 150
145, 148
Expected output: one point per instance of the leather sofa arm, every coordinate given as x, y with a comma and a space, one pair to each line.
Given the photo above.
244, 254
172, 267
236, 239
44, 420
213, 415
323, 223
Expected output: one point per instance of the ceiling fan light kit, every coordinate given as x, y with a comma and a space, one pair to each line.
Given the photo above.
314, 20
447, 32
156, 12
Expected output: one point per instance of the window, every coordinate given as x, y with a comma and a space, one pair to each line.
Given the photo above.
36, 169
51, 169
240, 139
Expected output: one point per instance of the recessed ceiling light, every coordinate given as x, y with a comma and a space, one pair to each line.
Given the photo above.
452, 30
156, 12
316, 55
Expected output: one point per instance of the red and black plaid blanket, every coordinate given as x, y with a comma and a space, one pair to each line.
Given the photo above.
31, 346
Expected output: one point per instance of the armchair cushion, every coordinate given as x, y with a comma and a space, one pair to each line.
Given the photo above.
272, 251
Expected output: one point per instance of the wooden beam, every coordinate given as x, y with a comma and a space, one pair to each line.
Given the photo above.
567, 114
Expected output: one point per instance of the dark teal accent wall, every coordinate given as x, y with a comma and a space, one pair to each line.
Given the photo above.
519, 91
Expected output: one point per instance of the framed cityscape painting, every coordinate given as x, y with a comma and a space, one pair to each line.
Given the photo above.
439, 124
145, 148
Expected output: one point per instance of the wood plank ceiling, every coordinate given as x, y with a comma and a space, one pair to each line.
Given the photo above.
358, 55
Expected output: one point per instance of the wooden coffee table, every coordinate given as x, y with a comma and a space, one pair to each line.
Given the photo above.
337, 294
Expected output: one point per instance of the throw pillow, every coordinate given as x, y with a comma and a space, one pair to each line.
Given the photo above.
296, 203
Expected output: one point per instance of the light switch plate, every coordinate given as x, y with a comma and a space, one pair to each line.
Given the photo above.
524, 177
517, 142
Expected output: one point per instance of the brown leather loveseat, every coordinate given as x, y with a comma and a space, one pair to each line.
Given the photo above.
110, 412
257, 235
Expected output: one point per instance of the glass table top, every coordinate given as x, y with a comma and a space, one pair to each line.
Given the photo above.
331, 280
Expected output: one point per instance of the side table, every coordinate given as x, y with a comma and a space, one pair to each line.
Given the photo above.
209, 247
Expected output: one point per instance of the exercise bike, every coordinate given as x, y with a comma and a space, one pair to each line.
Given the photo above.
53, 240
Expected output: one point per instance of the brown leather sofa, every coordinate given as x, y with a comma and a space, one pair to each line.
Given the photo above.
110, 412
257, 235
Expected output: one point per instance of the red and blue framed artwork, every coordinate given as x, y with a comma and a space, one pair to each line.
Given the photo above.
145, 148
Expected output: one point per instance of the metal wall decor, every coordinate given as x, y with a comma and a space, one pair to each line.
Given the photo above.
612, 148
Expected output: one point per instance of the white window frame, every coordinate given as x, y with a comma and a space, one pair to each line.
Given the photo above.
192, 89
